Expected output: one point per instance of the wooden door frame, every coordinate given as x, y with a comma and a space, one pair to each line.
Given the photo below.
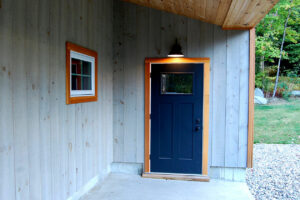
206, 63
251, 98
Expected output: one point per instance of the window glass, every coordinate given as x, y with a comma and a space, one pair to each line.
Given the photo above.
177, 83
81, 75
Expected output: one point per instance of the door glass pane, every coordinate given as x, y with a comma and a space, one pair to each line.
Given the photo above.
81, 75
177, 83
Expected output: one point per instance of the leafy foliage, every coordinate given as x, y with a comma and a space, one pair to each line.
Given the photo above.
262, 81
286, 84
269, 37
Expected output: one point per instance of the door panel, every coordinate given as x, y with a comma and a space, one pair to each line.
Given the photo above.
185, 130
165, 131
176, 118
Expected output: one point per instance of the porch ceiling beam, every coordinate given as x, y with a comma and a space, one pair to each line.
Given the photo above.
230, 14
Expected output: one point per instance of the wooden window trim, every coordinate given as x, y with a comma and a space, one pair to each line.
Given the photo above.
251, 97
206, 62
81, 99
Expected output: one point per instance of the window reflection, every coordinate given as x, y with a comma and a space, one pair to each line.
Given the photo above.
177, 83
81, 75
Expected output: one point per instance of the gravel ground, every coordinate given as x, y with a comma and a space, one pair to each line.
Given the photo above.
276, 172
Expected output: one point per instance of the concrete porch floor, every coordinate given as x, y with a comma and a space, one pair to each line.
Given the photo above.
134, 187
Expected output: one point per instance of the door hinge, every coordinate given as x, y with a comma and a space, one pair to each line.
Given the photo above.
150, 75
150, 156
150, 116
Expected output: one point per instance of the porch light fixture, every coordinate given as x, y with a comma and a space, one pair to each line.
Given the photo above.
176, 51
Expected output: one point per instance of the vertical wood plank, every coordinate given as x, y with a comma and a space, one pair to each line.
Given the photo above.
142, 37
20, 103
70, 21
155, 32
103, 106
219, 102
130, 86
44, 104
181, 31
193, 38
118, 83
168, 33
173, 27
243, 102
61, 74
206, 41
108, 20
32, 69
7, 166
55, 117
78, 147
85, 121
232, 100
91, 140
78, 107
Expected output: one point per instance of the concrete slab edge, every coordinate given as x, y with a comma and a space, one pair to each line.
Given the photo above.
85, 189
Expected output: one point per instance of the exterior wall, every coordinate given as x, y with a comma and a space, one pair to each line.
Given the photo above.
141, 32
49, 150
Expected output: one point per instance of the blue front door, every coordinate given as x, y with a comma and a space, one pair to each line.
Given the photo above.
176, 118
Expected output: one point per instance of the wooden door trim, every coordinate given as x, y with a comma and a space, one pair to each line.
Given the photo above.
251, 97
206, 62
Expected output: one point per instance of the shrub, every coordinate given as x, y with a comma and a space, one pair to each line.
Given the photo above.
262, 81
286, 84
283, 90
271, 71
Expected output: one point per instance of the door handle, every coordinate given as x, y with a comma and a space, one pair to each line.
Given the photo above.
198, 128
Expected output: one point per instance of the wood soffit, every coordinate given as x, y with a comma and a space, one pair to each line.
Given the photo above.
229, 14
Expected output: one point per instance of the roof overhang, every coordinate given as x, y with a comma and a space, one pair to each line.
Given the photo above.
229, 14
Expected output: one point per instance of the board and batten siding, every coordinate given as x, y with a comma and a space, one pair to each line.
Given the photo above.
49, 150
141, 32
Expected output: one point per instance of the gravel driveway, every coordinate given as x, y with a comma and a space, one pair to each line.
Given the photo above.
276, 172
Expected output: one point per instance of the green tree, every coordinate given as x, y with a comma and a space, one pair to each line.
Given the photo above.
270, 35
278, 37
281, 48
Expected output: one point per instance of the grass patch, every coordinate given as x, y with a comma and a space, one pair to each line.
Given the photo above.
277, 124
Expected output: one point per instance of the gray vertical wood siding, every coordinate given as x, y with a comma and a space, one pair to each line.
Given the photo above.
49, 150
141, 32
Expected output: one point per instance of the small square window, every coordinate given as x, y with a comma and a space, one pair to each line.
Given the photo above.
81, 74
177, 83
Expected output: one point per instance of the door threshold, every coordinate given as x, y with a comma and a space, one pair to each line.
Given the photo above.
184, 177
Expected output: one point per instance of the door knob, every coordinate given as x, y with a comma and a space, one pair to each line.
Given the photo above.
197, 128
